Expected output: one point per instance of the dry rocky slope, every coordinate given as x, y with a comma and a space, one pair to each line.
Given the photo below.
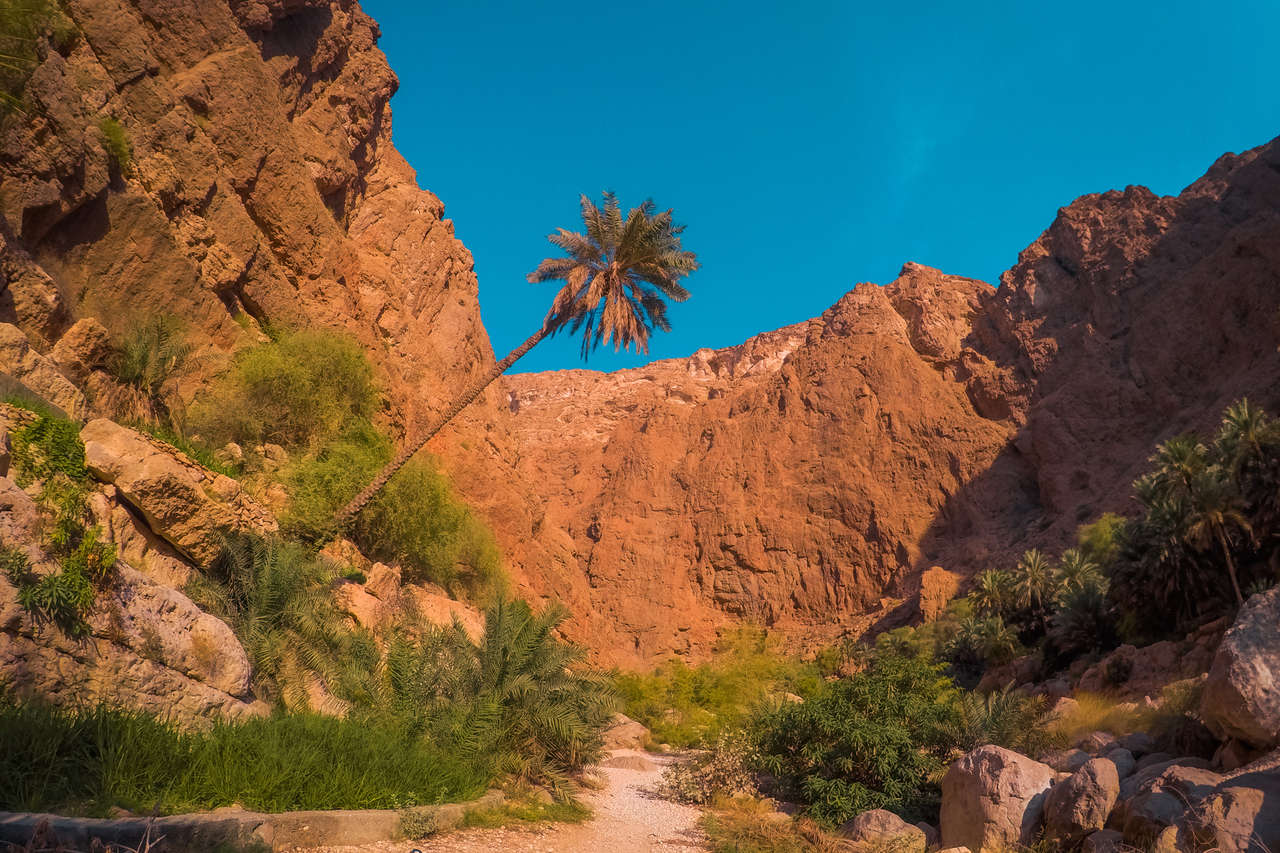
798, 478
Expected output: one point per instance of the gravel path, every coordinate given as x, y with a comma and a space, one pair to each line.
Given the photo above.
627, 818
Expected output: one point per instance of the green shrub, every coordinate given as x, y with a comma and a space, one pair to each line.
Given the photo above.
416, 521
522, 699
116, 143
1002, 717
92, 760
687, 705
48, 446
874, 740
147, 360
278, 599
299, 391
977, 643
724, 770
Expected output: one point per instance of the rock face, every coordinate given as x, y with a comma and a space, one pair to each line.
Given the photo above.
798, 478
993, 799
803, 475
1242, 694
183, 502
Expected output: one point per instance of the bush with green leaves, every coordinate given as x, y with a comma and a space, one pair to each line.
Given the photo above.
49, 445
687, 705
978, 642
299, 391
116, 143
1003, 717
146, 362
723, 770
874, 740
522, 699
417, 520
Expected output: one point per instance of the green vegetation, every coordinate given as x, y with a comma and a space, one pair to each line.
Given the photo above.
313, 393
23, 25
198, 452
147, 361
91, 760
874, 740
116, 143
527, 813
686, 705
49, 451
617, 279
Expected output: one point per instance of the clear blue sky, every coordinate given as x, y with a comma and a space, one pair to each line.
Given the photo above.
808, 146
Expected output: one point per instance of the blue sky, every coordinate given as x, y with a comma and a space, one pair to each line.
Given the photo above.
808, 146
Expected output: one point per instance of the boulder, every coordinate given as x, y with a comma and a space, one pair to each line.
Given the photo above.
937, 587
1138, 743
1065, 760
37, 372
1160, 796
439, 609
1241, 814
1241, 696
1123, 760
182, 501
993, 798
1096, 743
1152, 759
163, 625
931, 836
1081, 804
82, 349
625, 733
1062, 707
879, 829
1103, 841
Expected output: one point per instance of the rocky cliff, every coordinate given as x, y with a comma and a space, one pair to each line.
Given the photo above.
802, 476
798, 479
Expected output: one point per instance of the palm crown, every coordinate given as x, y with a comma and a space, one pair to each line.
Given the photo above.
618, 275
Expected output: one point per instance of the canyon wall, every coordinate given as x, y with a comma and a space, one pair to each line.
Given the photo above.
797, 479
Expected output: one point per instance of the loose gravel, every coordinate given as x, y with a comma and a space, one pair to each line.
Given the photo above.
627, 818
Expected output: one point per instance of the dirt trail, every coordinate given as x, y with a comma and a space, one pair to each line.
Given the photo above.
627, 819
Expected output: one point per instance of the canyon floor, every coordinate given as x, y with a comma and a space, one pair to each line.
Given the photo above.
627, 818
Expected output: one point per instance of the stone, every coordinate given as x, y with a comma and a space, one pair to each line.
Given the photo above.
1138, 743
183, 502
937, 587
1123, 761
992, 798
1095, 743
931, 835
1104, 841
436, 608
1241, 696
629, 762
1081, 804
82, 349
1065, 760
37, 372
1062, 707
625, 733
1158, 797
1153, 758
880, 829
1241, 815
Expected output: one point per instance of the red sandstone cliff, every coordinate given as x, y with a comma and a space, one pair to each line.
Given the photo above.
796, 479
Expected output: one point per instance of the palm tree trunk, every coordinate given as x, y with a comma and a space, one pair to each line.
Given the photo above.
1231, 567
358, 502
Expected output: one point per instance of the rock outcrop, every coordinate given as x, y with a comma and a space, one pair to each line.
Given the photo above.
1241, 697
804, 478
188, 505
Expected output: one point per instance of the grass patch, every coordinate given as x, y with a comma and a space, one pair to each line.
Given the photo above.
90, 760
116, 143
527, 814
1166, 722
685, 705
744, 825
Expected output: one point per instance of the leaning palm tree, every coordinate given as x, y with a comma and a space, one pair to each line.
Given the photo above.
618, 276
